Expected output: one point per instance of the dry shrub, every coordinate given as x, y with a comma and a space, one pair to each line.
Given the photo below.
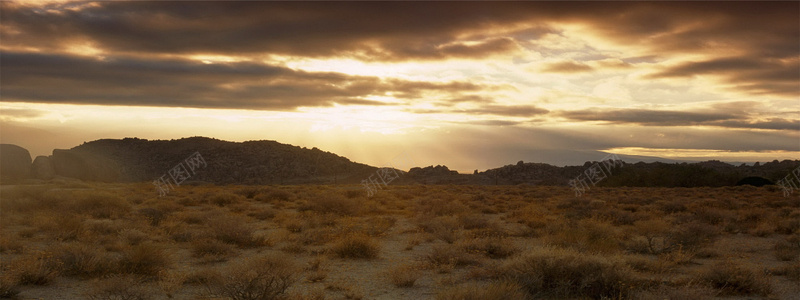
263, 214
36, 268
104, 227
83, 260
494, 248
449, 256
249, 192
791, 270
785, 250
647, 264
473, 221
121, 287
211, 250
587, 235
274, 195
193, 217
377, 226
403, 275
714, 216
261, 278
621, 217
566, 273
223, 198
678, 292
62, 226
171, 281
372, 226
671, 207
9, 244
356, 246
532, 215
788, 226
154, 216
691, 236
445, 228
9, 286
233, 230
317, 236
332, 203
439, 207
134, 236
144, 259
354, 193
733, 278
496, 290
25, 199
652, 235
101, 205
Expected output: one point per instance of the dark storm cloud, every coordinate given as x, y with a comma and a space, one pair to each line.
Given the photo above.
371, 31
645, 117
764, 35
397, 30
185, 83
755, 75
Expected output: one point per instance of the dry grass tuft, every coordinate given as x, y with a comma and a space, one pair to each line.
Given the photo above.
233, 230
35, 268
264, 277
734, 278
211, 250
144, 259
83, 260
333, 203
497, 290
121, 287
223, 198
494, 248
356, 246
566, 273
450, 256
403, 275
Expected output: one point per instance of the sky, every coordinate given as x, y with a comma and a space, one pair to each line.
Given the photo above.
470, 85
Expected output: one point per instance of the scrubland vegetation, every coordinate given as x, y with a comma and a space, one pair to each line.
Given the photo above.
121, 241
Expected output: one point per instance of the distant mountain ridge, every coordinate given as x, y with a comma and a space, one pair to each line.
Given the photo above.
270, 162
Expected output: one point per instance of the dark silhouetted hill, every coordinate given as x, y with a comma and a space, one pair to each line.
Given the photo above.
251, 162
270, 162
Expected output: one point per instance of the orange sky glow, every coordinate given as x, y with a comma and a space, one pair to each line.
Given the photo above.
469, 85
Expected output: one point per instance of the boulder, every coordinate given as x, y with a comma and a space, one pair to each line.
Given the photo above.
15, 162
42, 168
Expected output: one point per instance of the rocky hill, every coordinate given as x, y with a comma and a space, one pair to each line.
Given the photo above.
200, 159
252, 162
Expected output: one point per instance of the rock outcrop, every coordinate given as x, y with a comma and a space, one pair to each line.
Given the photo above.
42, 168
15, 162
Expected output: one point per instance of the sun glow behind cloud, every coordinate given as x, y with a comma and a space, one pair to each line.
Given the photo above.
359, 80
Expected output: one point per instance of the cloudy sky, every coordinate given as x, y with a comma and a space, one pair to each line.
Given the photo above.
469, 85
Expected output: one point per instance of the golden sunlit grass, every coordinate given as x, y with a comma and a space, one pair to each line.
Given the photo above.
454, 242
